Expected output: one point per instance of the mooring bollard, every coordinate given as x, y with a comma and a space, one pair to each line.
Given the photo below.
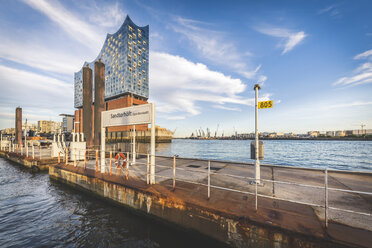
209, 179
96, 160
110, 162
148, 168
326, 197
174, 172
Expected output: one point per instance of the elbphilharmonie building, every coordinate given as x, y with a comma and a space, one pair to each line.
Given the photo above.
126, 58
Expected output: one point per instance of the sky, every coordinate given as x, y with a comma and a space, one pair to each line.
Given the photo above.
312, 58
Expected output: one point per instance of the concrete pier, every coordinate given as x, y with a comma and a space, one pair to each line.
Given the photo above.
230, 216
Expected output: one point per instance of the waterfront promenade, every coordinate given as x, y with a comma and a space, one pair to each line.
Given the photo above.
291, 199
290, 206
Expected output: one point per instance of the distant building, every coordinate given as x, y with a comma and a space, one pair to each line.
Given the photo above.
48, 127
29, 127
340, 133
313, 133
67, 123
348, 132
9, 131
330, 133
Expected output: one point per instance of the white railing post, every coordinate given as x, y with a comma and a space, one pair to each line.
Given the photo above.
96, 160
174, 172
40, 152
209, 179
26, 150
326, 197
148, 168
66, 155
256, 198
75, 157
33, 152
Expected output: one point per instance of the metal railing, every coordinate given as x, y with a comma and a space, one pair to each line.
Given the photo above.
91, 159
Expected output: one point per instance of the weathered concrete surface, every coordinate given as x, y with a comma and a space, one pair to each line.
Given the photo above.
227, 216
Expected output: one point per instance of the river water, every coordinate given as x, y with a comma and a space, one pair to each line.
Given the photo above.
333, 154
38, 212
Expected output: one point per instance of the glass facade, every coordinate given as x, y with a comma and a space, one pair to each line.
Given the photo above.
126, 58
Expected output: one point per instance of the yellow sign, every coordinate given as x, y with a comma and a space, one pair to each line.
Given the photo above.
266, 104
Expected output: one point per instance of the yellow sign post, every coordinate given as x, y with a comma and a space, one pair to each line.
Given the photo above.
265, 104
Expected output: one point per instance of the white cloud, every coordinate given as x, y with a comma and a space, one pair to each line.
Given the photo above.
361, 75
79, 30
227, 108
215, 46
290, 39
331, 10
178, 85
37, 56
364, 55
34, 91
346, 105
107, 15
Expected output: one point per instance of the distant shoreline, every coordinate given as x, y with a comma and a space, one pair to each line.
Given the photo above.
321, 138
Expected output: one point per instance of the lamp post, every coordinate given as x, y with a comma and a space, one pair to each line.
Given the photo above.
257, 175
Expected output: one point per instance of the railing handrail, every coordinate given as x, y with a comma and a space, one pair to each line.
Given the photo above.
209, 173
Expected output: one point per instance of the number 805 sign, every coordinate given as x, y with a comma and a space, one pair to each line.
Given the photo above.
266, 104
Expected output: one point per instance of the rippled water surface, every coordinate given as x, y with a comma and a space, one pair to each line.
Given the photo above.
37, 212
343, 155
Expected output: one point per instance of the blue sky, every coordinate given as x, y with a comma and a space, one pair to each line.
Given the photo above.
312, 58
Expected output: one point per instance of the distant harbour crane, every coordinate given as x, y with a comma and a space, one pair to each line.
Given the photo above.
362, 126
215, 134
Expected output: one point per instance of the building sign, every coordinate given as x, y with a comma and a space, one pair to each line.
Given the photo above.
266, 104
139, 114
